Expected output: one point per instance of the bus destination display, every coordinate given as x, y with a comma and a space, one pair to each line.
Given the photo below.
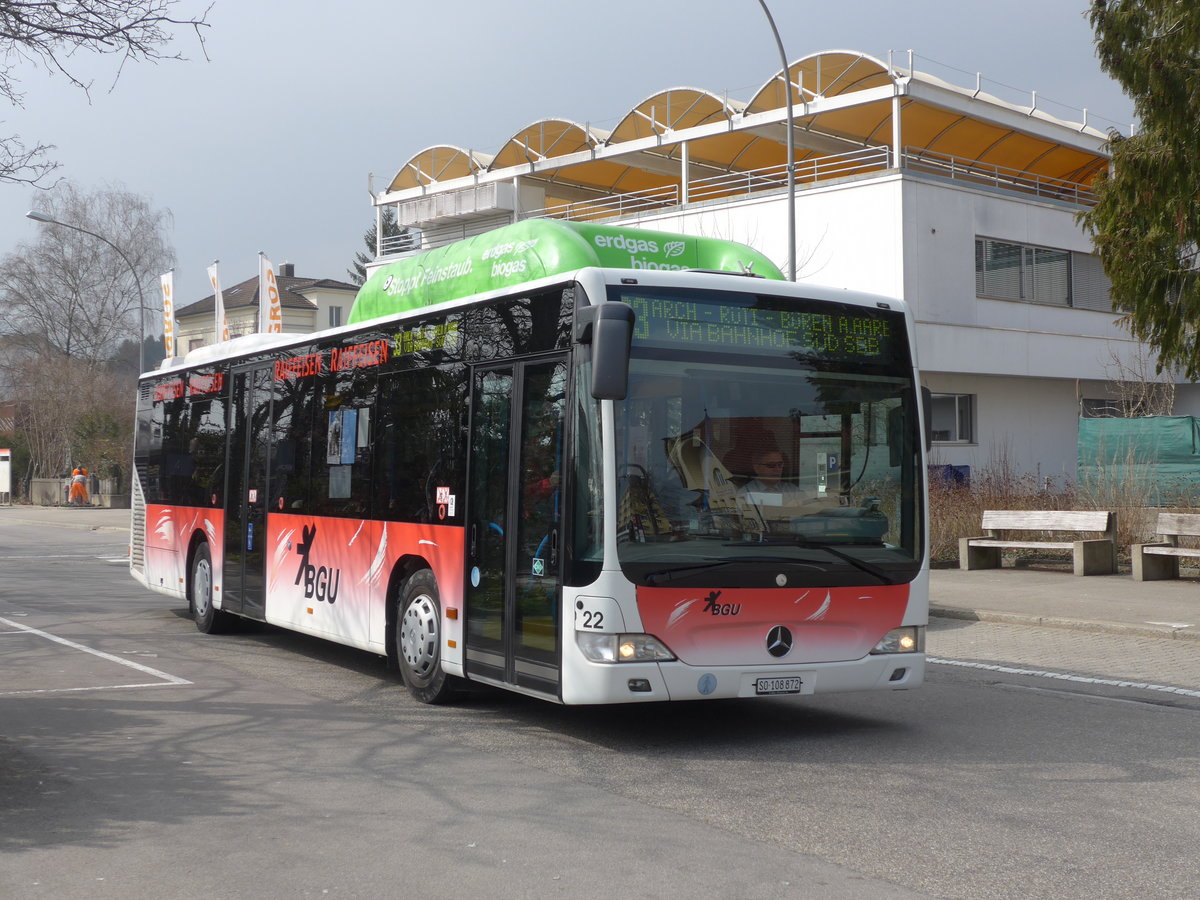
838, 332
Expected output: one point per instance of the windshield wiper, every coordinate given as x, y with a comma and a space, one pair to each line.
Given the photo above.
885, 579
801, 541
662, 576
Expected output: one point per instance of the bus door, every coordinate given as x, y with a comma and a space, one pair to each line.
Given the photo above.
244, 579
514, 532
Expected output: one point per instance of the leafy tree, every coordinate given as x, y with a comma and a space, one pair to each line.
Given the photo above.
1146, 223
50, 34
390, 230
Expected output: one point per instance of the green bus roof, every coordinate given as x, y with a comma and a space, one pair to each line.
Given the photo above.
536, 248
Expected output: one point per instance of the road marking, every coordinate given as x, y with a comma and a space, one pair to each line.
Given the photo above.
1060, 676
166, 679
55, 556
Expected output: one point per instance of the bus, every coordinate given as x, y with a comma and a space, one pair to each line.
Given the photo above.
586, 463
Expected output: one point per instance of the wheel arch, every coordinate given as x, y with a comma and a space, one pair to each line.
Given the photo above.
197, 539
405, 567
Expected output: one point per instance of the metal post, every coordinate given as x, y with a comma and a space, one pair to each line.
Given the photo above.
791, 145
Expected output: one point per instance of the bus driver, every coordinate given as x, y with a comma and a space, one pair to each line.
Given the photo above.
767, 488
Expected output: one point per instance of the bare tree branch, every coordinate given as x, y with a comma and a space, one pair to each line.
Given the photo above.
49, 32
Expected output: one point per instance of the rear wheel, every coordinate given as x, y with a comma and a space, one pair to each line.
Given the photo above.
208, 618
419, 638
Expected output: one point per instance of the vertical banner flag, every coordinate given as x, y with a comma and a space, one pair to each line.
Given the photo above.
218, 302
167, 283
270, 312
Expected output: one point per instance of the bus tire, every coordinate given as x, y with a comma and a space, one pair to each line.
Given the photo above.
208, 619
419, 638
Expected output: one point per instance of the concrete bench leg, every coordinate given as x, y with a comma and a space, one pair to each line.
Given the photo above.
1150, 567
1098, 557
970, 557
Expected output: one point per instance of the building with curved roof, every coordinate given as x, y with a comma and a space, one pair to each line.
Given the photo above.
960, 201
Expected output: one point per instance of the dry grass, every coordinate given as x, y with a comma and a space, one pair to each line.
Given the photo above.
956, 510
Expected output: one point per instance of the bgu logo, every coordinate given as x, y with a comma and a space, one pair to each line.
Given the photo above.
321, 583
712, 607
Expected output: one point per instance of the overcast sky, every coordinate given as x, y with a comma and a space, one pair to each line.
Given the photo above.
268, 145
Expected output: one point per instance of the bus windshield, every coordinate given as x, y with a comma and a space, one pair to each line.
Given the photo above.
766, 441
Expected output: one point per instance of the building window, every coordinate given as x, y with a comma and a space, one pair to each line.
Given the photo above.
952, 418
1008, 271
1100, 408
335, 316
1021, 272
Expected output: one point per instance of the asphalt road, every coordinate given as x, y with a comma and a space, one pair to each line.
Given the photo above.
140, 759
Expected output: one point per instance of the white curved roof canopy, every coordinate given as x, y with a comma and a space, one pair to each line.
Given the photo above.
844, 101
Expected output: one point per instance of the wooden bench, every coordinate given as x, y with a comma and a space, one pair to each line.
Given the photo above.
1157, 561
1096, 556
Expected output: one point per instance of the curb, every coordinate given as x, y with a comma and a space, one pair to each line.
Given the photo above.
1096, 627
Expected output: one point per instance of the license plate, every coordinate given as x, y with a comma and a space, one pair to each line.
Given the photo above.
790, 684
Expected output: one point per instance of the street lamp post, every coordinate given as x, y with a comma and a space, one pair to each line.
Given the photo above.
791, 145
137, 282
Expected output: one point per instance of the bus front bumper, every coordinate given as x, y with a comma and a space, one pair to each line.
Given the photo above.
649, 682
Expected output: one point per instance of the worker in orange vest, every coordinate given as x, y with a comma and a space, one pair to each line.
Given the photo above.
79, 491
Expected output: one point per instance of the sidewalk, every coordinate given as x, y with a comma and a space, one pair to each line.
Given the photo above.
1029, 596
1053, 597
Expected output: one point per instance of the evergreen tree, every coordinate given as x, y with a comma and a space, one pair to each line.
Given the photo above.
390, 230
1146, 223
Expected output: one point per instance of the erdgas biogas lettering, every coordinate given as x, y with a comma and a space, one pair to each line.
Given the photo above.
635, 245
393, 286
508, 269
624, 242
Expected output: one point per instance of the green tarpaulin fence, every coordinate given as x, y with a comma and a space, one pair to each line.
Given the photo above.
1157, 457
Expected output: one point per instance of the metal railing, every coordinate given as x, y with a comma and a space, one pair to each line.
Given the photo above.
956, 169
809, 173
610, 207
400, 243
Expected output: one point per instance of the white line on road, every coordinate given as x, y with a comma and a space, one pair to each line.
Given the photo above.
1060, 676
55, 556
99, 687
168, 679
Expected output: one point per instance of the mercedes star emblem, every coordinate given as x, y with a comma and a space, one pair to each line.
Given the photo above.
779, 641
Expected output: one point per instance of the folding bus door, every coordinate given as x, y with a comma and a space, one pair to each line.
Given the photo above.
244, 580
514, 535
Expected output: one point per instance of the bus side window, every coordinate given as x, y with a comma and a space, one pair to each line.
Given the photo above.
419, 421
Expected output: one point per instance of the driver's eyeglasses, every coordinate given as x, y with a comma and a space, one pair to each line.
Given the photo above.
772, 464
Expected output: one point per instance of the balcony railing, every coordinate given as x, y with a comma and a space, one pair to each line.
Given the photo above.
611, 207
809, 173
931, 163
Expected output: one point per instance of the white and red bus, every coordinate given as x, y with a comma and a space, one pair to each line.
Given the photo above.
560, 459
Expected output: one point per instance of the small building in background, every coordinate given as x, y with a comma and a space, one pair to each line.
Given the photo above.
309, 304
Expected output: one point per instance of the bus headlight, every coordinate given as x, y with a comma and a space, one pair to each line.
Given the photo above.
613, 648
909, 639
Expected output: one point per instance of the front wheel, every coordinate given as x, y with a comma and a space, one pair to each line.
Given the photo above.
419, 638
208, 618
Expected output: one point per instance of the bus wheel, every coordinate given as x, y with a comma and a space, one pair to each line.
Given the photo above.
419, 638
208, 618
